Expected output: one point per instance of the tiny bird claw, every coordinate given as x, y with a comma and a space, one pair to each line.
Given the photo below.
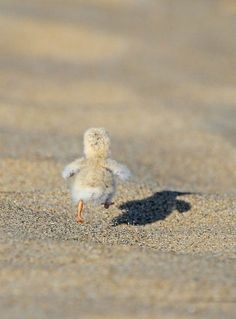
107, 205
79, 221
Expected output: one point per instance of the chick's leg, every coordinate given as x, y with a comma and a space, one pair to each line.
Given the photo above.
108, 204
79, 217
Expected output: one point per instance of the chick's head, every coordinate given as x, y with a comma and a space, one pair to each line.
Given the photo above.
96, 143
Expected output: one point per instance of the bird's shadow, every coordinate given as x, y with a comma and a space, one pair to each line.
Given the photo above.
151, 209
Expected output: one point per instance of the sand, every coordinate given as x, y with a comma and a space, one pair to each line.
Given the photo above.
160, 76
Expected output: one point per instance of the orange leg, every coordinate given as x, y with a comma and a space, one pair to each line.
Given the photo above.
79, 217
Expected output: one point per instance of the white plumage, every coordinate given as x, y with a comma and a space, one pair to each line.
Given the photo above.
95, 173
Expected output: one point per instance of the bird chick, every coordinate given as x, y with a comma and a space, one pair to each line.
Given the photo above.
95, 172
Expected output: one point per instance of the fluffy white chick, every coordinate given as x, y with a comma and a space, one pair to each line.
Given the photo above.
95, 172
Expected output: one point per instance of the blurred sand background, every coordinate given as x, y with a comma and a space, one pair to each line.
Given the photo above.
160, 76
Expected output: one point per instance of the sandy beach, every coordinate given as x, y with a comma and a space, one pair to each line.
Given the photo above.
160, 77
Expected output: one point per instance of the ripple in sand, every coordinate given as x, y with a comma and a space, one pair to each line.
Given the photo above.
57, 41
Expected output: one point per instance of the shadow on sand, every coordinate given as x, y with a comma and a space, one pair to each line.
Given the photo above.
151, 209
